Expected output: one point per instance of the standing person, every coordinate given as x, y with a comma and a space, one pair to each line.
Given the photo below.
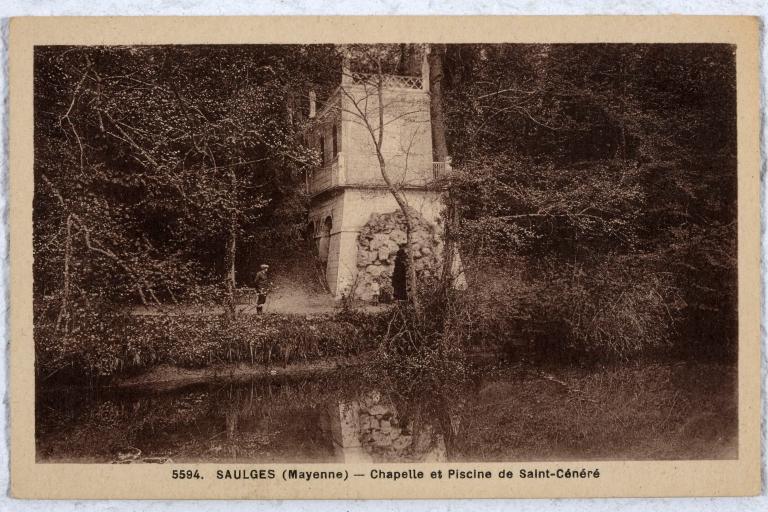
261, 285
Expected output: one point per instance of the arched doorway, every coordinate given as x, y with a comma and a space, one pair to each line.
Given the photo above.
325, 239
400, 275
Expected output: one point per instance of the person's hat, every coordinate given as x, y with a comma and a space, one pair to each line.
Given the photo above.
264, 265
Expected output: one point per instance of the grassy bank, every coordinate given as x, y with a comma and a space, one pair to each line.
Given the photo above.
127, 344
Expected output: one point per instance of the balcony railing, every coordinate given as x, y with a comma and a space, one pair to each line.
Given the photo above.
388, 81
441, 169
329, 176
334, 175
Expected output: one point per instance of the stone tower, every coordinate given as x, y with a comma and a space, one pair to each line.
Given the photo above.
348, 192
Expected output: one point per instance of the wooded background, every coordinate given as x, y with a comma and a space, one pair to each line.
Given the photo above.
594, 185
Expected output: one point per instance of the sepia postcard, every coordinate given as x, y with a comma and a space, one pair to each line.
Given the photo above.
384, 257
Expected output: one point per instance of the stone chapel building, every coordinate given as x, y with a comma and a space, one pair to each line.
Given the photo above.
354, 221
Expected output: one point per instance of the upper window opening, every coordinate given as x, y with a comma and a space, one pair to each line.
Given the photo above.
335, 141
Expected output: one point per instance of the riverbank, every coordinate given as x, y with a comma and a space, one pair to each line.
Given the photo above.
167, 378
122, 345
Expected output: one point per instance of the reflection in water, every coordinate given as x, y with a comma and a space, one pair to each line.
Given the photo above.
362, 417
309, 420
367, 430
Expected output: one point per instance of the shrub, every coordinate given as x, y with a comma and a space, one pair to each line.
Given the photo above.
612, 308
616, 308
416, 358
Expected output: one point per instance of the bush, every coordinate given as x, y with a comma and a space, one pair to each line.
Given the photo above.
416, 357
613, 308
616, 308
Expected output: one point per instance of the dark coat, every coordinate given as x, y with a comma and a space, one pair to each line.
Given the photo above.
260, 281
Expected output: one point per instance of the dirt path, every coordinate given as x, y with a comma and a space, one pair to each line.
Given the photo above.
291, 296
295, 289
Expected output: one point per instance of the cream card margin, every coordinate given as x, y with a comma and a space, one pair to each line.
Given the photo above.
618, 478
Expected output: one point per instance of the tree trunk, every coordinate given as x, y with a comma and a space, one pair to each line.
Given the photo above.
231, 249
412, 285
440, 154
64, 311
439, 144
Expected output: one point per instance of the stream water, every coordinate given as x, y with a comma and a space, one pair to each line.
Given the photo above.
318, 420
649, 411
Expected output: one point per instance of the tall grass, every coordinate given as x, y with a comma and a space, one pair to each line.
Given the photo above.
125, 343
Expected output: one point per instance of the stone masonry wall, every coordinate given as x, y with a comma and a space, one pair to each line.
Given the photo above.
378, 243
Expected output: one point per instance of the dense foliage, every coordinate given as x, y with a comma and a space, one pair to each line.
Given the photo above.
608, 172
154, 164
595, 193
